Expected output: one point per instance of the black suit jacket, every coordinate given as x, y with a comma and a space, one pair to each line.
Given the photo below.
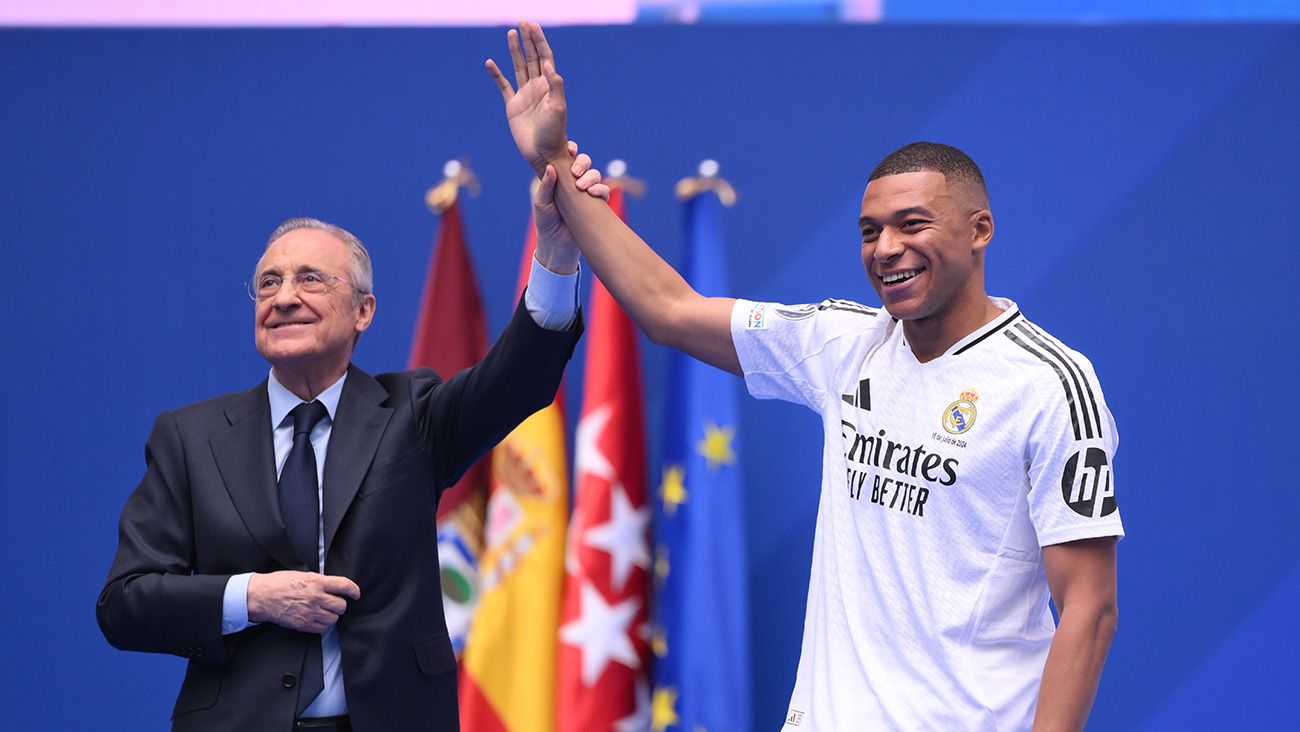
207, 509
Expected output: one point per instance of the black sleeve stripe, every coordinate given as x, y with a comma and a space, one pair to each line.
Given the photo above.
1065, 384
1071, 369
848, 307
1004, 324
1078, 389
1092, 399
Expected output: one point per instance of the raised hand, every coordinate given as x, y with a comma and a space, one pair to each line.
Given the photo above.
536, 111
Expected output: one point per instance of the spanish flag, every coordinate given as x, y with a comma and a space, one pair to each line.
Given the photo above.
507, 680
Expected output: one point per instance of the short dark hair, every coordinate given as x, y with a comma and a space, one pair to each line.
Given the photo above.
936, 156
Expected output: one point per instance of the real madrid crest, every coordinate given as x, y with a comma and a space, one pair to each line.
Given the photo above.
959, 416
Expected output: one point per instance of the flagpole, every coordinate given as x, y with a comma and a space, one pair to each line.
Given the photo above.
701, 629
450, 335
604, 651
617, 177
708, 180
508, 670
456, 175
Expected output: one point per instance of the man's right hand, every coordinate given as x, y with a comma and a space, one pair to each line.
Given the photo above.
537, 111
557, 249
304, 601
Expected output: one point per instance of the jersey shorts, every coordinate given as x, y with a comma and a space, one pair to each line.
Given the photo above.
941, 482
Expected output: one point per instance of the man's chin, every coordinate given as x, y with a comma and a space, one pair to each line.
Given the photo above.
287, 355
900, 310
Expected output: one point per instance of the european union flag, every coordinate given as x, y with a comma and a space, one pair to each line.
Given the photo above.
701, 634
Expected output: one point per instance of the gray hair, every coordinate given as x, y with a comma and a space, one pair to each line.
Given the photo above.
362, 274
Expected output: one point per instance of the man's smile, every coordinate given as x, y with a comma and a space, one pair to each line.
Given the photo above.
899, 277
286, 323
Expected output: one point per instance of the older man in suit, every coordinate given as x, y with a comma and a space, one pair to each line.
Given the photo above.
283, 538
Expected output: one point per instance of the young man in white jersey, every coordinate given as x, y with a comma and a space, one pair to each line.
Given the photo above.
966, 470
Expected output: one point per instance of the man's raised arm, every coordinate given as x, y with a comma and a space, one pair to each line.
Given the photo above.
656, 297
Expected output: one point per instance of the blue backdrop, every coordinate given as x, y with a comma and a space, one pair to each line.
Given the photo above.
1144, 181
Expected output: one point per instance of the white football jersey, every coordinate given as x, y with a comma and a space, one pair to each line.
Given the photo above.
941, 481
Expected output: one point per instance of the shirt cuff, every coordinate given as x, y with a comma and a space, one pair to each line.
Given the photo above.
234, 604
552, 299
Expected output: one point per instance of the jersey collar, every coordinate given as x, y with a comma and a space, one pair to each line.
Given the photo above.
1010, 314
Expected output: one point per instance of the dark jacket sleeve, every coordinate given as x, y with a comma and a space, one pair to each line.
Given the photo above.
152, 601
461, 419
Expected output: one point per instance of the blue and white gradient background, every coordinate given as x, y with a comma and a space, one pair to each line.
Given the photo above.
1144, 182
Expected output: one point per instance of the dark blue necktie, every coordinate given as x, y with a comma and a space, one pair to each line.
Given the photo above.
300, 509
299, 503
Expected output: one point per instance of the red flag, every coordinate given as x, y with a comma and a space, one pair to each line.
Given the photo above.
604, 649
451, 330
450, 335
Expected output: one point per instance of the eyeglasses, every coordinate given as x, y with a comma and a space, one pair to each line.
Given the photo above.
314, 283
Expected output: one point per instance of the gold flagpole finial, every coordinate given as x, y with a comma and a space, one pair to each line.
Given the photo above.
708, 180
457, 175
618, 178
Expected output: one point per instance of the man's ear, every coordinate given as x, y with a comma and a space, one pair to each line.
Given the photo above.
366, 313
982, 229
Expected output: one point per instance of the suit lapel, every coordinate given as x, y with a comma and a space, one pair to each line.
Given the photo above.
245, 456
358, 426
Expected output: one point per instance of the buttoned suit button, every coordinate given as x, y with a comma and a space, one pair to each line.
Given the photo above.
288, 681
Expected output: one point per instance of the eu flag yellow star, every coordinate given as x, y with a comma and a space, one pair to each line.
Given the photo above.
673, 489
663, 709
659, 642
662, 565
716, 445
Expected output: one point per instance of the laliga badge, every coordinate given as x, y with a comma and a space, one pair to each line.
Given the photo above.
959, 416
